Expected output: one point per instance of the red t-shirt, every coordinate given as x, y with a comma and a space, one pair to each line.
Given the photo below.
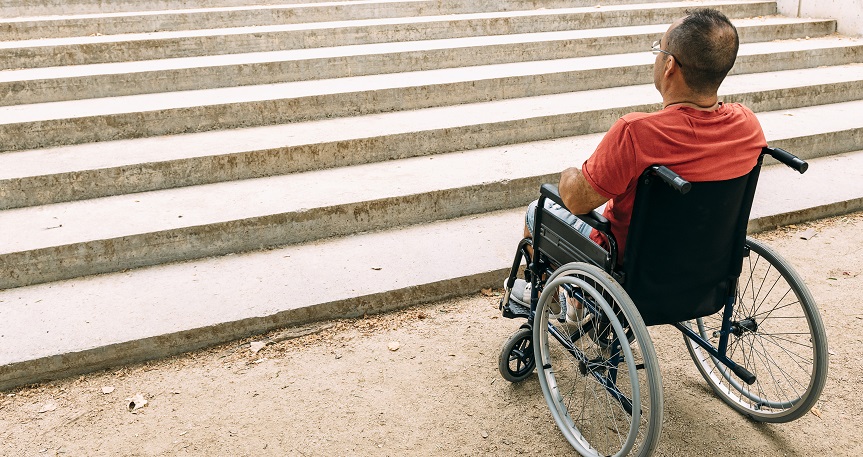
698, 145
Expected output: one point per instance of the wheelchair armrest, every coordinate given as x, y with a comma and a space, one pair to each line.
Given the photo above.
593, 218
551, 191
596, 220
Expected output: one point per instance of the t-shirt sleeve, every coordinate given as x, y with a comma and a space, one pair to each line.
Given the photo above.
611, 167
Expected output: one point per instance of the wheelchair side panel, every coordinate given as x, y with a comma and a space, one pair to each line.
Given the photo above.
561, 243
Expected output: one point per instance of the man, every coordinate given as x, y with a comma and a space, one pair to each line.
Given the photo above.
694, 134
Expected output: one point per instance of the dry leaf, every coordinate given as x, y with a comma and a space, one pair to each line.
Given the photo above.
816, 412
808, 234
257, 346
487, 292
137, 402
107, 389
394, 346
48, 406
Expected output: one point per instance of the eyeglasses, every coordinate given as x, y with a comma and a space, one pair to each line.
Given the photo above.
655, 48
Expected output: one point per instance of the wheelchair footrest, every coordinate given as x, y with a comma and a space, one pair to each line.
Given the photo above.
514, 310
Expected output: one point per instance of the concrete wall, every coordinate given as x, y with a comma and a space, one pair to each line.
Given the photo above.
848, 13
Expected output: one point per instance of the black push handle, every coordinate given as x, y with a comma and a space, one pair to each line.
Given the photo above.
593, 218
787, 158
672, 179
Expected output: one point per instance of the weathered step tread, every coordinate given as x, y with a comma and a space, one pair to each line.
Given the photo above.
777, 125
832, 185
109, 318
400, 21
52, 84
129, 215
72, 24
156, 211
251, 291
348, 141
14, 8
811, 120
253, 6
153, 67
327, 5
162, 102
615, 36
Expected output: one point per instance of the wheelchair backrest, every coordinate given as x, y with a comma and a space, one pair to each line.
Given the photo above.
684, 251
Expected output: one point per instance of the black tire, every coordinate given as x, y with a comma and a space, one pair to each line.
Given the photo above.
781, 340
516, 361
599, 376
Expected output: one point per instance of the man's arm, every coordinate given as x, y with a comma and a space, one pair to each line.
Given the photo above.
577, 194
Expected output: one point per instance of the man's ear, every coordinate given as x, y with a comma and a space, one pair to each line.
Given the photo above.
670, 66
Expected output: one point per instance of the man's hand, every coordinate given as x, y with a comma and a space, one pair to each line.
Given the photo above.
577, 194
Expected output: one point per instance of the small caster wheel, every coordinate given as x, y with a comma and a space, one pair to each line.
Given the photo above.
516, 360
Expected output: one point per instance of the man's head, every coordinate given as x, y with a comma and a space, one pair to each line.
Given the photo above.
704, 46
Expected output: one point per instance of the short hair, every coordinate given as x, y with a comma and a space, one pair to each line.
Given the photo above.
706, 43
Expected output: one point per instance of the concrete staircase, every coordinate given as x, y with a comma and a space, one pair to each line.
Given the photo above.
274, 163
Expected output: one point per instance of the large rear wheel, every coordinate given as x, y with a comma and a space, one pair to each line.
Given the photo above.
599, 374
776, 334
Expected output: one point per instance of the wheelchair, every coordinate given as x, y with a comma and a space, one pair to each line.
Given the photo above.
748, 321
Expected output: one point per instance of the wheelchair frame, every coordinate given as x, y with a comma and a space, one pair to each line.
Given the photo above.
561, 253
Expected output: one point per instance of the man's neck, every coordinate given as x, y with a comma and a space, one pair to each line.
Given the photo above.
693, 105
699, 102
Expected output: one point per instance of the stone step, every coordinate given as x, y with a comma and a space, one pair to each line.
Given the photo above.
31, 8
66, 240
65, 24
137, 116
65, 328
52, 175
41, 85
159, 45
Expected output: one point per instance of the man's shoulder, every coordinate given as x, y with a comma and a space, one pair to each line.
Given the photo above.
659, 116
737, 108
635, 117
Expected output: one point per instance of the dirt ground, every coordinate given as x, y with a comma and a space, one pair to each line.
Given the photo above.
424, 381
